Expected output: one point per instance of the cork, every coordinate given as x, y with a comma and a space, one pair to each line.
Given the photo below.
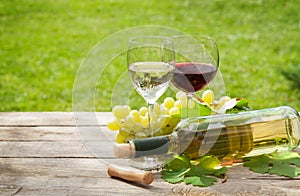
133, 175
122, 150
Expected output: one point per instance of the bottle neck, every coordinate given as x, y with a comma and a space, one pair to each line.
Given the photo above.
150, 146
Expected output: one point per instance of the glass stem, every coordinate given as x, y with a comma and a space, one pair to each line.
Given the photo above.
150, 117
188, 100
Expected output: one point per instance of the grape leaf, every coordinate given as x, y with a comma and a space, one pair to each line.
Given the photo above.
205, 166
221, 171
177, 163
174, 177
175, 169
195, 174
241, 105
204, 110
202, 181
280, 163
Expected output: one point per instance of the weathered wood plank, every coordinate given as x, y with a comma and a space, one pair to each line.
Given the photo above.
54, 118
81, 186
55, 149
88, 176
54, 133
56, 142
68, 176
38, 133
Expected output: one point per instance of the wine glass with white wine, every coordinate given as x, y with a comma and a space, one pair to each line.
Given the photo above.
151, 64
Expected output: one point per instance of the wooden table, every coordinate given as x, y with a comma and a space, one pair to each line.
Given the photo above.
43, 154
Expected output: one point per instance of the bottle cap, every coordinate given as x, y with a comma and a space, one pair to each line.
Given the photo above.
142, 147
151, 146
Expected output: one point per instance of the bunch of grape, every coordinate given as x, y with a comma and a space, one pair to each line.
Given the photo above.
131, 123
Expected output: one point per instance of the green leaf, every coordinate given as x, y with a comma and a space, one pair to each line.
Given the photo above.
202, 181
205, 166
285, 155
282, 168
259, 164
209, 162
175, 169
221, 171
173, 177
241, 105
280, 163
178, 163
181, 170
204, 110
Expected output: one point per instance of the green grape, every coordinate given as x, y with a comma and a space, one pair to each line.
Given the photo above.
126, 108
180, 95
191, 104
169, 102
140, 135
154, 117
224, 99
154, 127
183, 101
208, 96
138, 128
161, 121
225, 105
113, 125
144, 120
143, 111
121, 136
130, 122
174, 110
163, 110
126, 135
159, 132
156, 108
120, 112
135, 114
219, 104
170, 124
177, 104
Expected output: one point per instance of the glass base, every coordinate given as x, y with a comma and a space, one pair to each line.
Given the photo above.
147, 163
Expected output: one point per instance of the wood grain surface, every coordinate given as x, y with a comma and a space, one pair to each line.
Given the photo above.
42, 153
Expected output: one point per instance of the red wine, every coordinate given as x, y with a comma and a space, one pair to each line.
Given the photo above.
192, 77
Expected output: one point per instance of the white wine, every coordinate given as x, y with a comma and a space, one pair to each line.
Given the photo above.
227, 136
238, 141
151, 79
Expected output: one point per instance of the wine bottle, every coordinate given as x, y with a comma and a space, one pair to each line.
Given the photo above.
225, 136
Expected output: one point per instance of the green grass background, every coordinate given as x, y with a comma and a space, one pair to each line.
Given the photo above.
43, 42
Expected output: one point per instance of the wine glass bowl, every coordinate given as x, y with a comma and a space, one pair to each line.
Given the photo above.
150, 79
150, 65
191, 77
197, 61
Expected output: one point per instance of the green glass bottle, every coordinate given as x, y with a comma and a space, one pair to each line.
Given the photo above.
225, 136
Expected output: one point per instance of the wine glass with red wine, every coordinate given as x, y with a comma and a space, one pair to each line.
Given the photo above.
197, 61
